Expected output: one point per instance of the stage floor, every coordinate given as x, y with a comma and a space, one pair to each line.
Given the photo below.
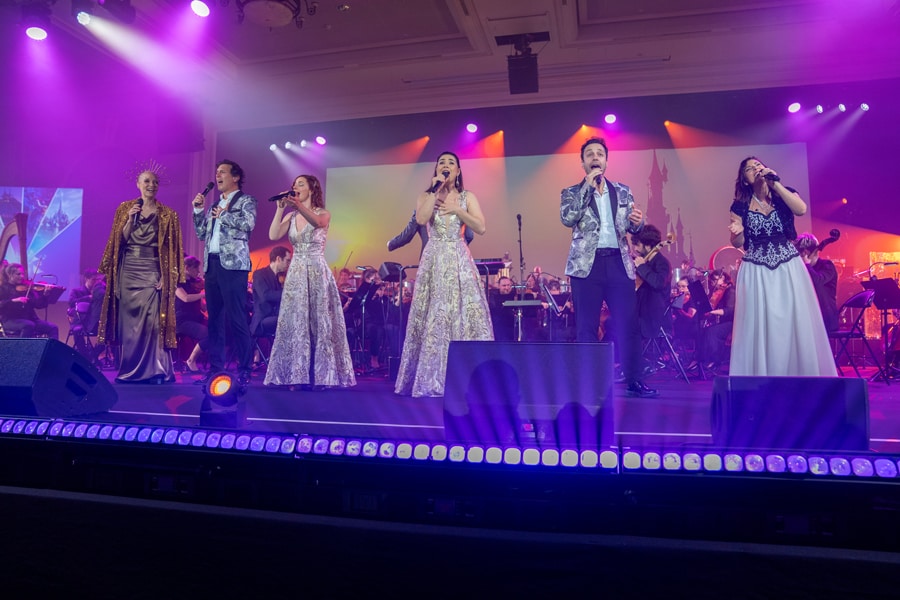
679, 417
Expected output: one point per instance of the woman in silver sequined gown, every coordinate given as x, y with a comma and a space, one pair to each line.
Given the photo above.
448, 301
778, 327
310, 344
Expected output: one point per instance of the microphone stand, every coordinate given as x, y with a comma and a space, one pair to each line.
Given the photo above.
521, 287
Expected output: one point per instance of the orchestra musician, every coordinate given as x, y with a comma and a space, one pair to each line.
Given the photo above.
18, 300
561, 324
190, 314
368, 312
685, 325
268, 285
85, 304
824, 277
655, 273
717, 323
503, 318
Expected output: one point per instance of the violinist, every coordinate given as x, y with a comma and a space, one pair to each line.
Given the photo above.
684, 311
190, 316
718, 321
823, 274
18, 301
561, 324
655, 273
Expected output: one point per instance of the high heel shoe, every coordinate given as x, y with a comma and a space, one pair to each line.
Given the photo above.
192, 367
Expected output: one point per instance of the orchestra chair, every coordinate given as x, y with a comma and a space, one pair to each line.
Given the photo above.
853, 311
77, 329
262, 346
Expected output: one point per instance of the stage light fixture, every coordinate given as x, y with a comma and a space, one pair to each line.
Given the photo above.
273, 147
287, 145
200, 8
82, 10
842, 107
320, 140
864, 107
609, 119
794, 107
820, 109
36, 20
304, 143
120, 9
472, 128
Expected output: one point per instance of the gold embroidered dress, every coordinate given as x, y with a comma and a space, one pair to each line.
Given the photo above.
310, 320
448, 304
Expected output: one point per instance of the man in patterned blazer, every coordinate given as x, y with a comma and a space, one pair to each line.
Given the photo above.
225, 229
601, 213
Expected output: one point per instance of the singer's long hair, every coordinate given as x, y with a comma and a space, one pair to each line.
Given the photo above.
316, 197
458, 184
743, 191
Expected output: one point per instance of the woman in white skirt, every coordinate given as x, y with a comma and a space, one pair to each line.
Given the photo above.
778, 328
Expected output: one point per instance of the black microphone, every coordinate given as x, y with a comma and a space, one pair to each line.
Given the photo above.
438, 184
137, 215
891, 264
519, 219
772, 177
278, 197
208, 188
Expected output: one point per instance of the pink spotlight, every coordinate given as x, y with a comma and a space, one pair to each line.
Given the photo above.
36, 33
200, 8
471, 127
610, 119
794, 107
320, 140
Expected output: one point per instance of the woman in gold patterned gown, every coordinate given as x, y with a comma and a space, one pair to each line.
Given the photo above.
448, 301
143, 263
310, 346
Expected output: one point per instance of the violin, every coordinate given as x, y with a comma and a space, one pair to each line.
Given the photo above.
36, 286
670, 239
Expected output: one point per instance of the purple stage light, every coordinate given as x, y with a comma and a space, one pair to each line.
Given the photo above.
320, 140
820, 109
512, 456
36, 33
609, 119
842, 107
273, 147
864, 107
493, 456
404, 451
200, 8
794, 107
471, 127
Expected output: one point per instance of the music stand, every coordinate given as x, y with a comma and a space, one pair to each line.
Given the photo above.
887, 297
488, 267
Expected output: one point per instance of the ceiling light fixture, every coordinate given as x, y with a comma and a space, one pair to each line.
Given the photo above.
275, 13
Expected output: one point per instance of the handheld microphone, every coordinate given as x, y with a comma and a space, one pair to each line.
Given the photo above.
278, 197
772, 177
438, 184
137, 215
891, 264
206, 190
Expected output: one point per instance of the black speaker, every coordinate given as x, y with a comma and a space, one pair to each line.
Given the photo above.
790, 413
523, 73
546, 394
46, 378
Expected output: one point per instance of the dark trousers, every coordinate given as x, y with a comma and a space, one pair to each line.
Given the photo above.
226, 301
609, 282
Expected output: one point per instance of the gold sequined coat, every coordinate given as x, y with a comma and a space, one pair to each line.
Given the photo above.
171, 268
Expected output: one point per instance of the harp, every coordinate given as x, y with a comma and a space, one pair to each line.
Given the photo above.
18, 227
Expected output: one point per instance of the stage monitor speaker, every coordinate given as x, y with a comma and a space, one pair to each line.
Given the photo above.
790, 413
46, 378
529, 394
523, 74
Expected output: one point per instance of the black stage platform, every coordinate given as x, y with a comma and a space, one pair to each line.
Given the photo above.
150, 519
680, 416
